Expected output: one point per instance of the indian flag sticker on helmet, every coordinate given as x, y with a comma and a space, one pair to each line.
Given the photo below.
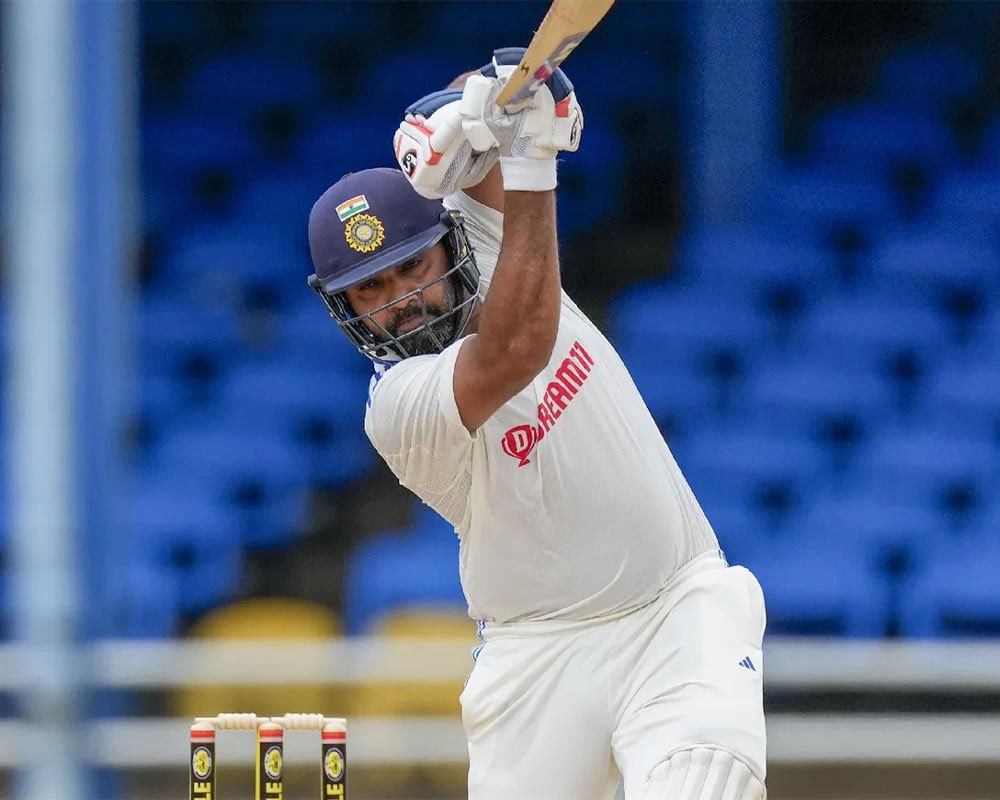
364, 233
349, 208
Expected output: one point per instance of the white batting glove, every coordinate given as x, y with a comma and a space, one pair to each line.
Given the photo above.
567, 123
528, 135
433, 151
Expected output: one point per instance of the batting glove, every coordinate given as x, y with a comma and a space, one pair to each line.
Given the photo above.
432, 149
528, 135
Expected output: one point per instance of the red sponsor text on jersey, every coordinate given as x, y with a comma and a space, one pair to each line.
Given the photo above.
520, 441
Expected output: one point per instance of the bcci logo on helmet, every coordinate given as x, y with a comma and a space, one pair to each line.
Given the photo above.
364, 233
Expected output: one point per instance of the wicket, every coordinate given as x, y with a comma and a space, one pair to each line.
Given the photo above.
269, 759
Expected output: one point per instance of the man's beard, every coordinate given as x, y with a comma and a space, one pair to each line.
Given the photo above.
420, 341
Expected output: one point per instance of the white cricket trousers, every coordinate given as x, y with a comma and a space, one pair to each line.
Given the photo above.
558, 710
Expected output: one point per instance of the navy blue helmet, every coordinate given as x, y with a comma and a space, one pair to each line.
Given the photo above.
370, 221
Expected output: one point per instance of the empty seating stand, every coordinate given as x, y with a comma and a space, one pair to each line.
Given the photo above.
825, 370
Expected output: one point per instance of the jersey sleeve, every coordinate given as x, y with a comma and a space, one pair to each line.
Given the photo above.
414, 424
484, 227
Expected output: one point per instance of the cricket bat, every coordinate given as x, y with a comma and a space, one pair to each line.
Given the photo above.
564, 26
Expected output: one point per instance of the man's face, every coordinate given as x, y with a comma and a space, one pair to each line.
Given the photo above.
402, 314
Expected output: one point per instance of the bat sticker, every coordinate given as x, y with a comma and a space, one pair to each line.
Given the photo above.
548, 66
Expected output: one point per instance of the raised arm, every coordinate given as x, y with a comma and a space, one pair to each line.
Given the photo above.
520, 317
489, 191
444, 144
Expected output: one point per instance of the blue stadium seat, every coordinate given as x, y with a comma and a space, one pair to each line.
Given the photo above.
867, 134
735, 260
6, 518
317, 411
632, 20
874, 326
170, 324
393, 571
881, 529
336, 144
217, 452
176, 146
168, 202
282, 199
171, 24
311, 340
748, 467
590, 180
926, 467
490, 15
257, 475
602, 79
404, 76
6, 621
178, 384
955, 591
223, 258
812, 199
928, 76
932, 260
165, 400
968, 392
821, 587
315, 26
989, 335
682, 326
243, 83
801, 394
183, 535
986, 527
990, 152
147, 603
284, 390
971, 196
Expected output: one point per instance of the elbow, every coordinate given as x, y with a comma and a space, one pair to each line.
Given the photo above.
530, 354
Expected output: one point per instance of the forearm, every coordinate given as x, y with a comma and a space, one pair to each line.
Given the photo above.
520, 317
489, 191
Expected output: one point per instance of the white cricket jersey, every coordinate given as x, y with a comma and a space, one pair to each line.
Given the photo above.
567, 501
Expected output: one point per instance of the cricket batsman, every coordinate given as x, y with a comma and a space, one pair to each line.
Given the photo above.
617, 643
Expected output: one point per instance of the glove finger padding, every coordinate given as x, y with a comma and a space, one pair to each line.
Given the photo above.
477, 96
529, 131
567, 125
525, 165
429, 103
432, 151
